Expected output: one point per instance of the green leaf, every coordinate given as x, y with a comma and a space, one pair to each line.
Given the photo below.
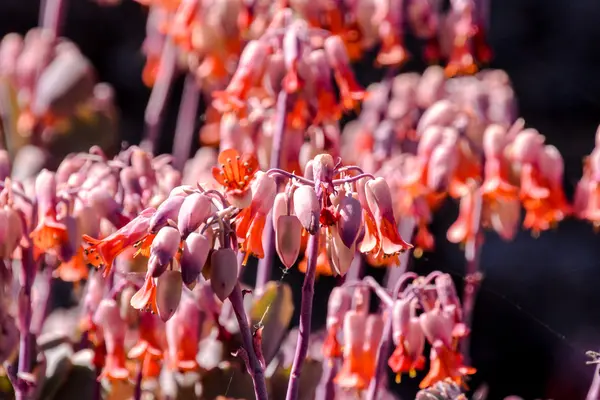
274, 309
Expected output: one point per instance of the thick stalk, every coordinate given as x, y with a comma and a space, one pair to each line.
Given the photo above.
594, 392
263, 273
186, 122
308, 289
137, 390
473, 274
386, 338
256, 370
27, 339
52, 15
159, 95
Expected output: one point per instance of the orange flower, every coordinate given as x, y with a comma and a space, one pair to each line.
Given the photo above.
102, 252
401, 361
236, 173
73, 270
148, 350
462, 229
445, 364
331, 345
382, 240
323, 266
145, 298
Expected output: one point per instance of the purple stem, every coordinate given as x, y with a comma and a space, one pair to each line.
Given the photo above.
386, 338
308, 289
137, 391
186, 121
594, 392
472, 272
158, 97
263, 273
27, 339
355, 272
52, 15
326, 388
256, 369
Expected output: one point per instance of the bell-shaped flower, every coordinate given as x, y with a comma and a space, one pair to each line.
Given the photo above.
352, 373
374, 332
183, 332
409, 340
250, 68
446, 361
196, 249
223, 272
148, 350
496, 183
463, 228
337, 306
11, 231
105, 206
587, 195
49, 233
194, 211
327, 105
102, 252
235, 174
381, 239
250, 223
350, 90
108, 317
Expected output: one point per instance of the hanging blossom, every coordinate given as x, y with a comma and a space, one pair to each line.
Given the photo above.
286, 59
428, 310
586, 204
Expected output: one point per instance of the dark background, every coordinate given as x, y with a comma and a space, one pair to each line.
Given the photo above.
537, 311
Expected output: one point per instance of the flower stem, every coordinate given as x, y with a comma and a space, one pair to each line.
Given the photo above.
52, 15
256, 369
263, 273
186, 121
473, 274
326, 388
158, 97
386, 338
27, 339
594, 392
137, 391
308, 289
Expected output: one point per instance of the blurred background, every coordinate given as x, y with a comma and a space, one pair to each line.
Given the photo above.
537, 312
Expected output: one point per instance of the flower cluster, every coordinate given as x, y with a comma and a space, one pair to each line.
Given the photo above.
423, 312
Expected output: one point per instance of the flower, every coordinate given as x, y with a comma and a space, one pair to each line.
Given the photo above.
235, 174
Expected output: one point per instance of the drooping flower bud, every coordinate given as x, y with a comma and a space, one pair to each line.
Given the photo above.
323, 166
307, 208
340, 257
195, 253
280, 207
168, 210
527, 146
168, 294
288, 239
437, 324
223, 272
162, 250
350, 221
443, 162
195, 209
354, 331
264, 190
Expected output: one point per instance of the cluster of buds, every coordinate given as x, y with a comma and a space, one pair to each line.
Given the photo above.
458, 137
428, 310
210, 35
286, 59
124, 342
47, 83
